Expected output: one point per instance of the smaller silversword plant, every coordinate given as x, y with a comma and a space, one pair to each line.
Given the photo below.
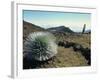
40, 46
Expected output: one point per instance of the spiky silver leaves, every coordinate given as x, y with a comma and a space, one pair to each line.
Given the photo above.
40, 46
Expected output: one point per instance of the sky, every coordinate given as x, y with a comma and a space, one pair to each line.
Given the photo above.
47, 19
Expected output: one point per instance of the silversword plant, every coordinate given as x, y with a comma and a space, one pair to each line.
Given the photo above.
40, 46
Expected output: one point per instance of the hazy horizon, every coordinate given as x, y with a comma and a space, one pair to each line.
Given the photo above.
48, 19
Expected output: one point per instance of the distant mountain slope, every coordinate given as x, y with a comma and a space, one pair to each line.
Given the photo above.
29, 27
88, 31
61, 29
